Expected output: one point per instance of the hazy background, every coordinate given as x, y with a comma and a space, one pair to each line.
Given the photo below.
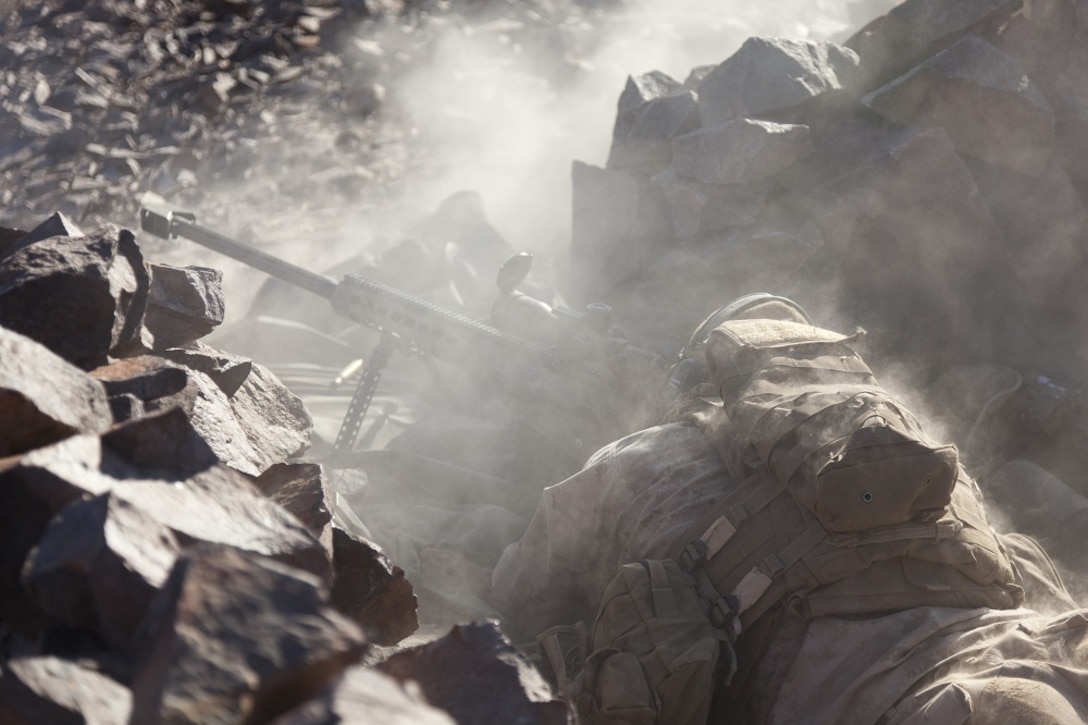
489, 103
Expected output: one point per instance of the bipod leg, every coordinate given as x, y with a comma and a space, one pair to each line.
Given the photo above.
364, 393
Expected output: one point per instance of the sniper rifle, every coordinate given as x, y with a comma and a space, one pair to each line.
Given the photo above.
561, 379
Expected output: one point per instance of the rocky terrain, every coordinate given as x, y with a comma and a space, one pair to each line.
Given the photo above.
173, 544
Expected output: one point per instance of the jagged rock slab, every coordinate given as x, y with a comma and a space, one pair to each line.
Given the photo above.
147, 378
741, 151
216, 505
916, 29
365, 696
160, 385
164, 442
97, 566
184, 304
57, 225
36, 690
275, 420
372, 590
262, 424
79, 296
303, 490
449, 669
44, 398
653, 109
237, 637
769, 75
982, 98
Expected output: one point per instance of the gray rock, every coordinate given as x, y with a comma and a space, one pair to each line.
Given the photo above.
185, 304
696, 209
653, 109
35, 689
237, 637
741, 151
96, 288
98, 565
916, 29
372, 590
44, 398
769, 75
982, 98
619, 225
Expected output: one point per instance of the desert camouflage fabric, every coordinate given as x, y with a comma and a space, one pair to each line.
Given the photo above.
637, 499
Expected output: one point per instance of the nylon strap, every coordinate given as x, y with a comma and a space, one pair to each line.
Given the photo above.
664, 598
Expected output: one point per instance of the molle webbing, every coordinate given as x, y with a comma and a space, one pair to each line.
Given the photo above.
849, 507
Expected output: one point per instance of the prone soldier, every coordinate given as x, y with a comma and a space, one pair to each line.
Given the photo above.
789, 546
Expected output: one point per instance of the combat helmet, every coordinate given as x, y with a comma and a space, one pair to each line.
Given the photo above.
691, 371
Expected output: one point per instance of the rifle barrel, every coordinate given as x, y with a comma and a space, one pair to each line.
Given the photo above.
176, 224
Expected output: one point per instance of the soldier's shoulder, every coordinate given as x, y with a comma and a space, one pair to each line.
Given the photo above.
669, 441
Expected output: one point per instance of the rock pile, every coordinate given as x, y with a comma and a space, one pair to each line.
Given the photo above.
221, 105
926, 179
165, 555
106, 100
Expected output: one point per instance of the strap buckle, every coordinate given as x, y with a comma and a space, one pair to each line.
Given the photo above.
693, 556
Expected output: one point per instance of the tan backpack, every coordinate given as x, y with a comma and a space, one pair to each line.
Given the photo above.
847, 508
655, 654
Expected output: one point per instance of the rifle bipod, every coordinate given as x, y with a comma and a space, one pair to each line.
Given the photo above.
364, 394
